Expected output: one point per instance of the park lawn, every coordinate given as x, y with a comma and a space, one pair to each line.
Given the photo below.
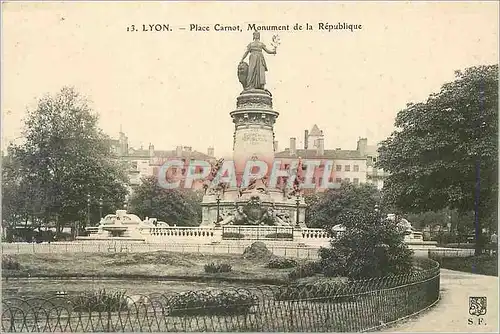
160, 263
483, 264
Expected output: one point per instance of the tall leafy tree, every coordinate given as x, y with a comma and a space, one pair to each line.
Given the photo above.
181, 207
444, 153
64, 158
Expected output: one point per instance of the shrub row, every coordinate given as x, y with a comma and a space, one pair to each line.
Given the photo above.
217, 268
100, 301
307, 269
333, 291
9, 263
211, 303
281, 263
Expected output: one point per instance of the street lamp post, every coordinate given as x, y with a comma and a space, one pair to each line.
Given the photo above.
297, 202
88, 209
218, 209
100, 207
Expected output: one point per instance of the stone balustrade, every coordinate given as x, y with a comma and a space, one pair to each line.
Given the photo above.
174, 234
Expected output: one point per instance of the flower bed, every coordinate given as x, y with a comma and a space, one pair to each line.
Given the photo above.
211, 303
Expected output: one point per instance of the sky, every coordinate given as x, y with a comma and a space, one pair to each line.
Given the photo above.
178, 87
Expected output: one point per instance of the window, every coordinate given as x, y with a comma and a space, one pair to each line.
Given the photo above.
339, 168
347, 179
338, 180
356, 168
374, 159
320, 181
355, 180
347, 168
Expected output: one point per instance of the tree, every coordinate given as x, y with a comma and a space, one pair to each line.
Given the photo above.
371, 246
444, 153
181, 207
325, 208
64, 157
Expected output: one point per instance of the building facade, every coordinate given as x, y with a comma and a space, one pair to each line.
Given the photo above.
356, 166
140, 163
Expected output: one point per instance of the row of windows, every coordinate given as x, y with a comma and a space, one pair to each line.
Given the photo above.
347, 168
338, 168
337, 180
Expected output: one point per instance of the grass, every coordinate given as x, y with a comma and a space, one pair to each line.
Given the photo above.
160, 263
483, 264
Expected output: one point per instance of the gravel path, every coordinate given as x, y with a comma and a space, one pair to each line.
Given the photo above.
451, 314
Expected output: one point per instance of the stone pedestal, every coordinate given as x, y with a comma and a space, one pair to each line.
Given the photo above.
254, 120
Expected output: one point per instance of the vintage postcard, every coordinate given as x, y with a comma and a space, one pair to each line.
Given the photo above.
249, 166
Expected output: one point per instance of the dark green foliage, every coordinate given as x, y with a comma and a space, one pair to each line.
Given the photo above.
100, 301
281, 263
280, 235
232, 235
483, 264
64, 157
307, 269
181, 207
217, 268
10, 263
444, 153
211, 303
370, 247
328, 208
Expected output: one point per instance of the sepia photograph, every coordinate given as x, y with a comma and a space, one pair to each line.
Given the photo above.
189, 166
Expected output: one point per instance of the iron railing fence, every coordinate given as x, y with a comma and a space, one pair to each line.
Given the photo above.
324, 306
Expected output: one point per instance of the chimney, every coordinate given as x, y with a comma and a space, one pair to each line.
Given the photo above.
123, 144
321, 146
293, 146
275, 144
151, 150
211, 151
178, 151
362, 143
306, 139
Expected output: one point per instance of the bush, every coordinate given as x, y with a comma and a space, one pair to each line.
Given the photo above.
482, 264
307, 269
232, 235
100, 301
218, 268
280, 236
257, 250
281, 263
9, 263
211, 303
370, 247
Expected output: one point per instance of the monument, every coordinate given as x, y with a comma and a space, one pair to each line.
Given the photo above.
253, 203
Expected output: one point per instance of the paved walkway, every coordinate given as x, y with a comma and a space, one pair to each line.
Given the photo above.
451, 314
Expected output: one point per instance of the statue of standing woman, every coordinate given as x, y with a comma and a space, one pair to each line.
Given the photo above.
253, 74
